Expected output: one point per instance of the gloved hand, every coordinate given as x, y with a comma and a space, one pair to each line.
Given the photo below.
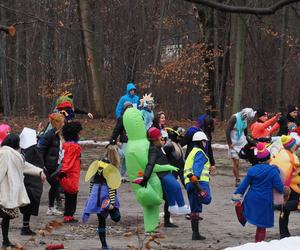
203, 194
85, 217
61, 175
174, 169
236, 198
144, 182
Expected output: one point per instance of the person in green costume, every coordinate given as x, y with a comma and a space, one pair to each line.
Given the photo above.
136, 155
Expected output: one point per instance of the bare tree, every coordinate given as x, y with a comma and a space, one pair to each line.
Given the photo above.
91, 57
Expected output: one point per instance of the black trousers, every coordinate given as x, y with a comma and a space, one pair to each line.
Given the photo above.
4, 226
70, 204
54, 187
291, 205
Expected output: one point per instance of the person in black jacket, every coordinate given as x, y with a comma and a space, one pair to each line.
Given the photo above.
174, 151
33, 184
174, 202
119, 131
50, 147
288, 123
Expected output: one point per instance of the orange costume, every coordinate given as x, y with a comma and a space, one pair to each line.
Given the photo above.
289, 164
261, 129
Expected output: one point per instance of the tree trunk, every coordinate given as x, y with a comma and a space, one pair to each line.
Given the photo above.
225, 69
239, 71
28, 69
281, 76
3, 71
163, 4
91, 57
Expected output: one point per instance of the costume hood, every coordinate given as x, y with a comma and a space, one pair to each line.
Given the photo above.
130, 86
27, 138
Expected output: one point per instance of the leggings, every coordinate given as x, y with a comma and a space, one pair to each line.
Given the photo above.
70, 204
172, 190
53, 193
54, 187
4, 226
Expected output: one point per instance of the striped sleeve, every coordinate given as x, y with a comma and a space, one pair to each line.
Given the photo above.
112, 195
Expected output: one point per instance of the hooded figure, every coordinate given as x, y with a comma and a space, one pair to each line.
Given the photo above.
33, 184
130, 96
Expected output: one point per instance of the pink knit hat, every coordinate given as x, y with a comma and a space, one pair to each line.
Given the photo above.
4, 131
262, 153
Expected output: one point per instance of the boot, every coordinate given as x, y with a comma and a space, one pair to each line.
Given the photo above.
27, 231
7, 243
283, 224
195, 227
168, 223
260, 234
167, 219
102, 236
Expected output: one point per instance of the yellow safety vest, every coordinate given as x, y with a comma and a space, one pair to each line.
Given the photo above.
188, 166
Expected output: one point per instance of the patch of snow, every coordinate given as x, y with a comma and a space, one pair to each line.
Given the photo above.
219, 146
291, 243
91, 142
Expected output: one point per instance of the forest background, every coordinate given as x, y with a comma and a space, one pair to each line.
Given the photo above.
189, 55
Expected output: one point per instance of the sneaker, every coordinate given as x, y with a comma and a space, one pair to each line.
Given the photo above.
27, 231
53, 211
237, 182
106, 248
173, 209
124, 180
184, 210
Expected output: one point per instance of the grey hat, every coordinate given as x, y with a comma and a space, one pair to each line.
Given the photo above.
126, 105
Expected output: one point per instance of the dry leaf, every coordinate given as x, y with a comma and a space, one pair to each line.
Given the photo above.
128, 234
42, 233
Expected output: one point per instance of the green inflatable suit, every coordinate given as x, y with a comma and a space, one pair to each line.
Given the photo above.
136, 157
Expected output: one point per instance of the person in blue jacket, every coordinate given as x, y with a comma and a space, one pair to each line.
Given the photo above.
196, 178
130, 96
262, 179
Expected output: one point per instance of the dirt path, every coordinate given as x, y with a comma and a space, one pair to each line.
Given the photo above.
220, 225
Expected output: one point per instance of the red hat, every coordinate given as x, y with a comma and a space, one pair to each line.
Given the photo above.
154, 134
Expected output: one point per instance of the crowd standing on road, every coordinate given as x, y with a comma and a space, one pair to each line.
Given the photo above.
149, 155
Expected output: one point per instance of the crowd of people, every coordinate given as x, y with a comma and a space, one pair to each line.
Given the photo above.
155, 159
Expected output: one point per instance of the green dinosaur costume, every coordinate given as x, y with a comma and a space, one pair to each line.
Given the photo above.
136, 157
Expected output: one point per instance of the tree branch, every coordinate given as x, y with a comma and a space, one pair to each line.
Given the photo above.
242, 9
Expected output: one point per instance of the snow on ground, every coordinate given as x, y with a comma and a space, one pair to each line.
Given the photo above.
292, 243
104, 143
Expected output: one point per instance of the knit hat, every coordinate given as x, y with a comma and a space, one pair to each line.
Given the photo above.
260, 112
287, 141
126, 105
292, 108
154, 134
263, 154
